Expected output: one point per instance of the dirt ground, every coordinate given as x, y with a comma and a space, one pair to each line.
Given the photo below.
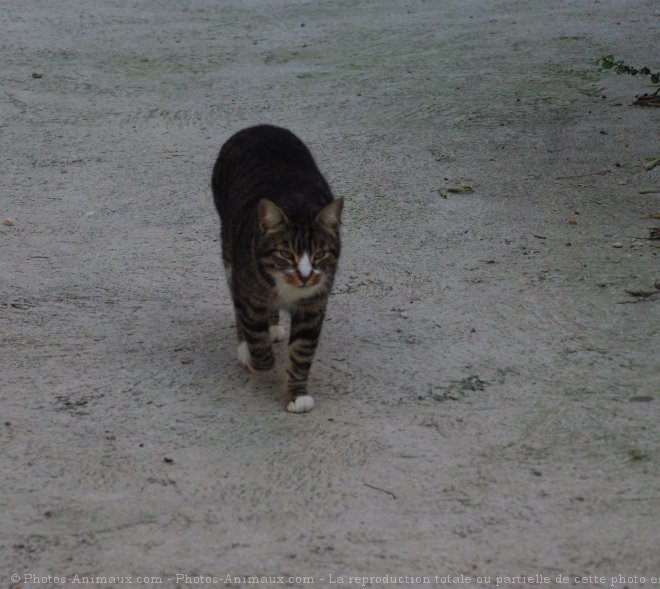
487, 393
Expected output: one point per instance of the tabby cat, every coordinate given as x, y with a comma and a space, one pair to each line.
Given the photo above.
280, 247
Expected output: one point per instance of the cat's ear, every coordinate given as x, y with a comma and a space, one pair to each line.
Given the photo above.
271, 218
329, 216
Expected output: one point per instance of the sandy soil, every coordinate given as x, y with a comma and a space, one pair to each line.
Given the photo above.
486, 404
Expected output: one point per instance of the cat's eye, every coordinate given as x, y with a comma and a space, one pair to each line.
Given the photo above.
320, 254
286, 254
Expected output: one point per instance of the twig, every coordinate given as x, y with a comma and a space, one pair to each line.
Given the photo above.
379, 489
639, 300
600, 173
642, 294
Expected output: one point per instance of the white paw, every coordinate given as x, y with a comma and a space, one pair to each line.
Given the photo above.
276, 333
302, 404
244, 357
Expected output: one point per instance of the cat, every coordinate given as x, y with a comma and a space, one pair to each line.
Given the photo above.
280, 247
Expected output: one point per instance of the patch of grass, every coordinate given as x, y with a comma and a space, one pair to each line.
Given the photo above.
637, 455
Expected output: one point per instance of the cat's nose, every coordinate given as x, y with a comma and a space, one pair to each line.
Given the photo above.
304, 268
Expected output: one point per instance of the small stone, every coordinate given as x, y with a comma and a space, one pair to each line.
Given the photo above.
617, 244
37, 76
8, 222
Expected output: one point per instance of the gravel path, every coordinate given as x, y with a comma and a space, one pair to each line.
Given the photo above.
487, 393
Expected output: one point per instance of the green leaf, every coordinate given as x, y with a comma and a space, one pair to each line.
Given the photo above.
606, 62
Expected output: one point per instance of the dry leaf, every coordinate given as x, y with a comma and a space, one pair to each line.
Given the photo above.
444, 192
651, 163
8, 222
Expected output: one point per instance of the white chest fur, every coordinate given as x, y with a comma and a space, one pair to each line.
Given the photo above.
288, 295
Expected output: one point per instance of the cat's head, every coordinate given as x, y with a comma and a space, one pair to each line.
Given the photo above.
300, 253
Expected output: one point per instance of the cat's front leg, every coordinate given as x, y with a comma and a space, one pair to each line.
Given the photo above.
306, 323
254, 348
276, 330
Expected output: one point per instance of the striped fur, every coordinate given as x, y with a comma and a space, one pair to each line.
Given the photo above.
280, 247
